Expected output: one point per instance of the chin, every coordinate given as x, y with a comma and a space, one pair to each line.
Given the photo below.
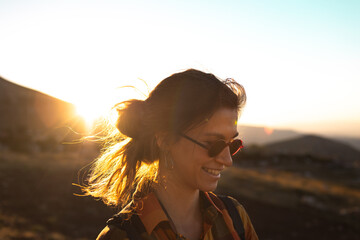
208, 187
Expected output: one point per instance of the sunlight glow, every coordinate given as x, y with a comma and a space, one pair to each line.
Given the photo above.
99, 104
268, 130
91, 112
295, 75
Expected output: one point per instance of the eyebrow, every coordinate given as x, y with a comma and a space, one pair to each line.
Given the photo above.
219, 135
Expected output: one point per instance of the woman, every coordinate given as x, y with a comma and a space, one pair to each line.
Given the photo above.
167, 158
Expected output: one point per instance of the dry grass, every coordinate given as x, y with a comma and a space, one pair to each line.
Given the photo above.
38, 201
291, 181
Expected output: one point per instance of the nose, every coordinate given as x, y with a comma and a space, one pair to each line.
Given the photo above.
225, 157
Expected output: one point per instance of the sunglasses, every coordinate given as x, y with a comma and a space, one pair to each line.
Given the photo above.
218, 146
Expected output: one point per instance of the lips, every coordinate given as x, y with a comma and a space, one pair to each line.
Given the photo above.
214, 172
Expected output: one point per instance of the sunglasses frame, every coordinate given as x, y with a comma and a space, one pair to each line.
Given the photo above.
227, 144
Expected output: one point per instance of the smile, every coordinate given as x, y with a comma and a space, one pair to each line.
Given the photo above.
213, 172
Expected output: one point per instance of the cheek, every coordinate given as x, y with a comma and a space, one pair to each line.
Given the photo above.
181, 150
188, 158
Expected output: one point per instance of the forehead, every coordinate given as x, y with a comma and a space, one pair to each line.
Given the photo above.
223, 122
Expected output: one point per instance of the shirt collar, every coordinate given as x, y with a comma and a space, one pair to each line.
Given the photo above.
151, 213
209, 211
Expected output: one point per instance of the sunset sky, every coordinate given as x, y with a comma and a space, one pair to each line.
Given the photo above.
299, 61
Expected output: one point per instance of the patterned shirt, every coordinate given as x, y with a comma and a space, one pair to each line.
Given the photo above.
151, 222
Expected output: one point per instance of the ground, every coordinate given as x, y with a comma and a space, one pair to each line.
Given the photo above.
39, 201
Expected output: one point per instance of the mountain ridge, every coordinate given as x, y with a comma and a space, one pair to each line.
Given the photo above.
27, 113
28, 117
315, 145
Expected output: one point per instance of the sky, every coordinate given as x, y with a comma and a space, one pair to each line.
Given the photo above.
299, 61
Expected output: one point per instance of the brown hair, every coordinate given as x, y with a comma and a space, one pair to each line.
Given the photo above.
128, 166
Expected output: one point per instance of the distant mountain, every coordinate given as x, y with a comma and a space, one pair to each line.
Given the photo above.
30, 119
354, 142
262, 135
316, 146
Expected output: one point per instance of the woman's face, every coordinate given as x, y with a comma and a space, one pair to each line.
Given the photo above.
193, 168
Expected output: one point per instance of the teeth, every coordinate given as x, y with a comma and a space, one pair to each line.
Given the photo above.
212, 171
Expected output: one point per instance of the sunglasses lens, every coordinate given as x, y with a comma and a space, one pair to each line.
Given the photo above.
235, 146
219, 145
216, 148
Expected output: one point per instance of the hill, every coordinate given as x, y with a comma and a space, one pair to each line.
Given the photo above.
354, 142
261, 135
30, 119
316, 146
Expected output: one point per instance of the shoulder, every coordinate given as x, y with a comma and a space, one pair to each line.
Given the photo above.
122, 226
111, 232
248, 227
238, 206
226, 201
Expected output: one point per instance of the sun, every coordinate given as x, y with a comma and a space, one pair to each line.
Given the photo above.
91, 111
91, 108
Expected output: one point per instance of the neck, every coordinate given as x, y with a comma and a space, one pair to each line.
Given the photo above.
183, 207
180, 202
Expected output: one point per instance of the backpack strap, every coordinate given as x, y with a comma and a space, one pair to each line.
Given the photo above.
234, 214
